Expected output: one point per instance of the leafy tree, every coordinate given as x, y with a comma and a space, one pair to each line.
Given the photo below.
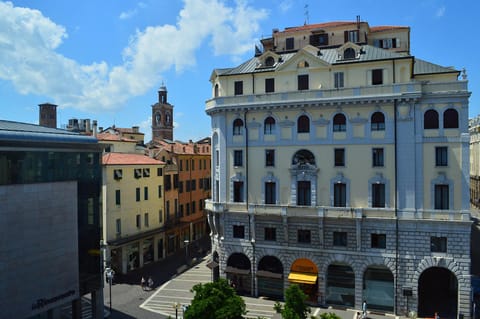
295, 307
215, 300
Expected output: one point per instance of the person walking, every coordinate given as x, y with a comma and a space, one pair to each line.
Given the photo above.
142, 283
364, 309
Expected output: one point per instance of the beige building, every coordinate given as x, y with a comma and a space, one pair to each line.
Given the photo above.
133, 204
341, 163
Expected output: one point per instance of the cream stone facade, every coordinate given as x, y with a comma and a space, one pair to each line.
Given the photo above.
340, 162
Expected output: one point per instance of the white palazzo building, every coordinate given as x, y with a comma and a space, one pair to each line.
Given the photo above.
340, 162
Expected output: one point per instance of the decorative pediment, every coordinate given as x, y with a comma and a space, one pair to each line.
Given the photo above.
269, 59
309, 55
349, 51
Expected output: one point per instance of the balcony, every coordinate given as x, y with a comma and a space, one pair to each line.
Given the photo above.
339, 96
333, 212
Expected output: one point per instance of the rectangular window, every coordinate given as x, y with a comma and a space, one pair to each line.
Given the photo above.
175, 181
193, 184
351, 36
187, 186
117, 174
302, 82
117, 197
338, 80
181, 210
319, 39
145, 221
181, 165
200, 204
137, 172
145, 193
340, 238
339, 157
438, 244
339, 195
303, 193
441, 156
269, 157
159, 191
146, 172
303, 236
139, 221
238, 231
193, 207
377, 157
378, 195
441, 196
270, 233
137, 194
377, 77
289, 44
238, 87
193, 165
270, 190
118, 224
167, 209
187, 162
180, 187
168, 182
159, 171
378, 241
238, 158
187, 209
160, 216
238, 191
269, 85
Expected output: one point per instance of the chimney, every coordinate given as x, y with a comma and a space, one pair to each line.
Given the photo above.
94, 128
135, 129
48, 115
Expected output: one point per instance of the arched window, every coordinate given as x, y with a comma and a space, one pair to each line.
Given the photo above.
216, 90
237, 127
269, 61
430, 120
303, 124
339, 123
269, 125
303, 157
378, 121
450, 118
349, 53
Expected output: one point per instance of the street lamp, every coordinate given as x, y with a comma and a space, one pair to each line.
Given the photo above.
186, 241
109, 272
176, 306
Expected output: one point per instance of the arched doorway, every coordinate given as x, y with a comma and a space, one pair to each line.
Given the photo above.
304, 273
238, 273
270, 277
437, 292
340, 285
378, 288
214, 265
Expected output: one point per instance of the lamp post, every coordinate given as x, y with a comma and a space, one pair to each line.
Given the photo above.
186, 241
109, 272
176, 306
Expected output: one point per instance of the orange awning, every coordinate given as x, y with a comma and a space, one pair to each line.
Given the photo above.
302, 278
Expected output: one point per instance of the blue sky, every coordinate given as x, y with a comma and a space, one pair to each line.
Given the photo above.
105, 60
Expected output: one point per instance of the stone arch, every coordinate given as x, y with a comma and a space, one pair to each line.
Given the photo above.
441, 262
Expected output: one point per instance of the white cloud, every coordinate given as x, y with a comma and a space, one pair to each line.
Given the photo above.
130, 13
285, 5
28, 58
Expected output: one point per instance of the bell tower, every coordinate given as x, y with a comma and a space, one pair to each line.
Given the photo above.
162, 117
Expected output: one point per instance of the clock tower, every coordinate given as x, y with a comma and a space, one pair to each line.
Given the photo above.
162, 117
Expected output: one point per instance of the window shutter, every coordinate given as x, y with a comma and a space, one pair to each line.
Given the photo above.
345, 36
369, 77
397, 43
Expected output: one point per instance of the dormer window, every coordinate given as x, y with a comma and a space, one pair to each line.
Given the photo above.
269, 61
349, 53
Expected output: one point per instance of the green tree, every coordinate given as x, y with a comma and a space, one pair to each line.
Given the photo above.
295, 307
215, 300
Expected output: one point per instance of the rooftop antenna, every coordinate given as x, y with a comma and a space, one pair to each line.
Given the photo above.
306, 15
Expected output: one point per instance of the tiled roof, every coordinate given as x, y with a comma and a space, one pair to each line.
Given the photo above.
386, 28
106, 136
128, 159
319, 26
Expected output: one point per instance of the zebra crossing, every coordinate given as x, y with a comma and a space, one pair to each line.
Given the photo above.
174, 295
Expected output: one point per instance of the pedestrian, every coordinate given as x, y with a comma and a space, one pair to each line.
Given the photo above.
150, 283
142, 283
364, 309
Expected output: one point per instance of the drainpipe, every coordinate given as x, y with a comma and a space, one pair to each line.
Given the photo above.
395, 197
